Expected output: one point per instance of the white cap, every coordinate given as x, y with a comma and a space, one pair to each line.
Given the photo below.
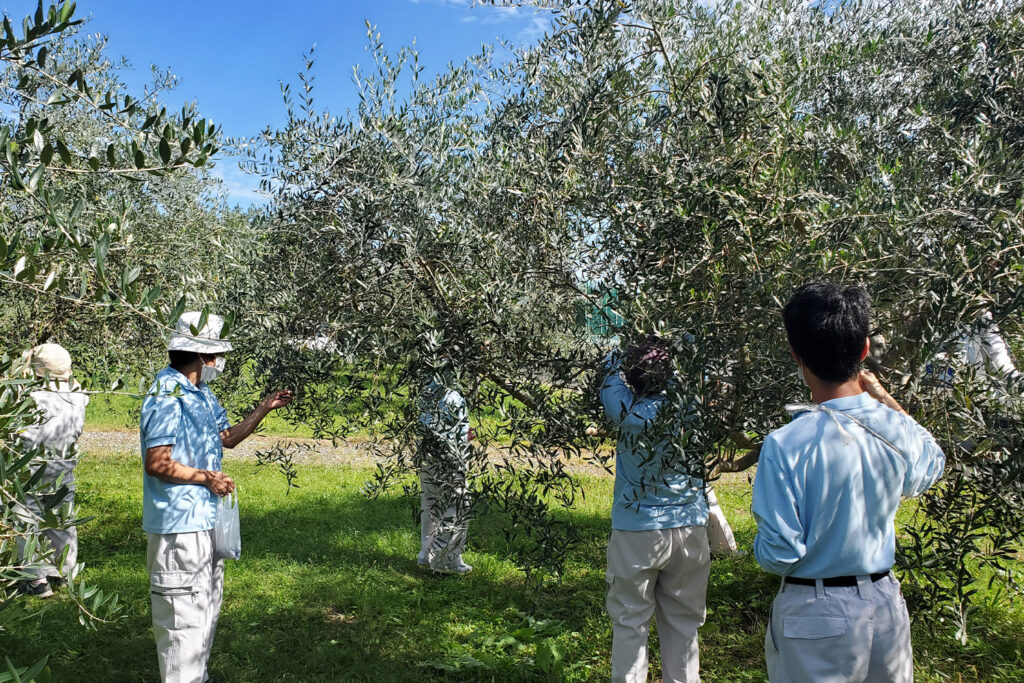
208, 340
50, 360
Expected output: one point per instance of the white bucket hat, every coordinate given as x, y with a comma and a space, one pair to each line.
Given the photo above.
208, 340
50, 360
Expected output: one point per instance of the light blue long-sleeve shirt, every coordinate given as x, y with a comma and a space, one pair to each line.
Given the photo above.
652, 488
189, 418
825, 504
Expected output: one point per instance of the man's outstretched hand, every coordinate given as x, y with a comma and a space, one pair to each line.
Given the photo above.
277, 399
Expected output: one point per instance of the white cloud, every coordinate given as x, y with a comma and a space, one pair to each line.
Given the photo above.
241, 187
534, 30
486, 14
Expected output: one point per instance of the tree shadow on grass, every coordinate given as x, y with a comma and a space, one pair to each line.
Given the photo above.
327, 589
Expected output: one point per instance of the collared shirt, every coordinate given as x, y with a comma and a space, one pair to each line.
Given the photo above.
188, 417
653, 490
827, 489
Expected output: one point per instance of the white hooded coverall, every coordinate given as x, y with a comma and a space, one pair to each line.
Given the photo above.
63, 407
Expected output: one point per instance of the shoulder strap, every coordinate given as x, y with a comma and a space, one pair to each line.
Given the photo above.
832, 412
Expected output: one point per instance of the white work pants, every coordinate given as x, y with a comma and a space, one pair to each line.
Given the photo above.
186, 587
663, 572
720, 536
856, 634
59, 540
444, 522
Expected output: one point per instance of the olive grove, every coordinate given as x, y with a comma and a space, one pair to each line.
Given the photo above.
699, 161
648, 167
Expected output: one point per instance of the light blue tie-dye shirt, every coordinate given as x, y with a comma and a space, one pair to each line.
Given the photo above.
178, 413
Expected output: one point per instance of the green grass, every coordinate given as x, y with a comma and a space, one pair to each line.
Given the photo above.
328, 589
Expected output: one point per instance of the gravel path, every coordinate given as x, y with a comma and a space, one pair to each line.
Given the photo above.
353, 452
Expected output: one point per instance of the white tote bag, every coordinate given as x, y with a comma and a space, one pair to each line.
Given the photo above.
227, 534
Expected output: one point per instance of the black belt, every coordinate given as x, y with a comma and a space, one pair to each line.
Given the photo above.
835, 581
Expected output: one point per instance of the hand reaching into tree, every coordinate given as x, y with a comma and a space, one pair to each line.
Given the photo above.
870, 383
277, 399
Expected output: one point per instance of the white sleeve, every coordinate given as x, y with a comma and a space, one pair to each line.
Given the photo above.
997, 352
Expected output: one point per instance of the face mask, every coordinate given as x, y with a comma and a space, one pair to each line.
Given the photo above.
211, 372
800, 373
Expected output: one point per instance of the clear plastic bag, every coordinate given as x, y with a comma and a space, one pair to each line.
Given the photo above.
227, 534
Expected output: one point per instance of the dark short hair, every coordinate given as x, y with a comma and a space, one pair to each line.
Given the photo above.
179, 359
647, 366
827, 326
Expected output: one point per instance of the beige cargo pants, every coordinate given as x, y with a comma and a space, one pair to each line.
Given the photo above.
855, 634
664, 573
186, 588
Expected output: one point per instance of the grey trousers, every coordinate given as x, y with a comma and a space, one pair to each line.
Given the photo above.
662, 573
186, 587
856, 634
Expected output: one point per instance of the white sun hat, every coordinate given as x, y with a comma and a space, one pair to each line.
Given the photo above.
208, 339
50, 360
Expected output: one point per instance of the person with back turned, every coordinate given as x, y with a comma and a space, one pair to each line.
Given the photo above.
55, 439
825, 495
658, 554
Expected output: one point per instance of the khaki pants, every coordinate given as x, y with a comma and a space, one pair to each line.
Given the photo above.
856, 634
663, 572
186, 587
443, 523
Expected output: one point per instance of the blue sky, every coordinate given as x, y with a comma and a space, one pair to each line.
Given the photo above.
230, 55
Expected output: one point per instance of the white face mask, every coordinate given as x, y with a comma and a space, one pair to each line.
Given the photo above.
211, 372
800, 373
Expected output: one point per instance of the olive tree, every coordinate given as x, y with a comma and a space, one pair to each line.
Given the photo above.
691, 163
81, 161
724, 154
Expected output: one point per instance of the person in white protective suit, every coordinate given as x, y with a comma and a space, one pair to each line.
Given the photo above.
442, 461
981, 349
183, 431
62, 404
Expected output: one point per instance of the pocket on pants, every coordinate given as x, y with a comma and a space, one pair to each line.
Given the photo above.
175, 599
813, 628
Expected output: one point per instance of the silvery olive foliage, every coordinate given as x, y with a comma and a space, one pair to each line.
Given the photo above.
395, 249
683, 166
89, 177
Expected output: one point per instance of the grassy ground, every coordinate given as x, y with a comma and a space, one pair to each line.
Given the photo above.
328, 590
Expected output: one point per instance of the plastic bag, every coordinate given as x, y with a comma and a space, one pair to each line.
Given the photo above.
227, 534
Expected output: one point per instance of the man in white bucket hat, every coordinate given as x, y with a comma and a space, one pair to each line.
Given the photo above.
54, 438
183, 430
